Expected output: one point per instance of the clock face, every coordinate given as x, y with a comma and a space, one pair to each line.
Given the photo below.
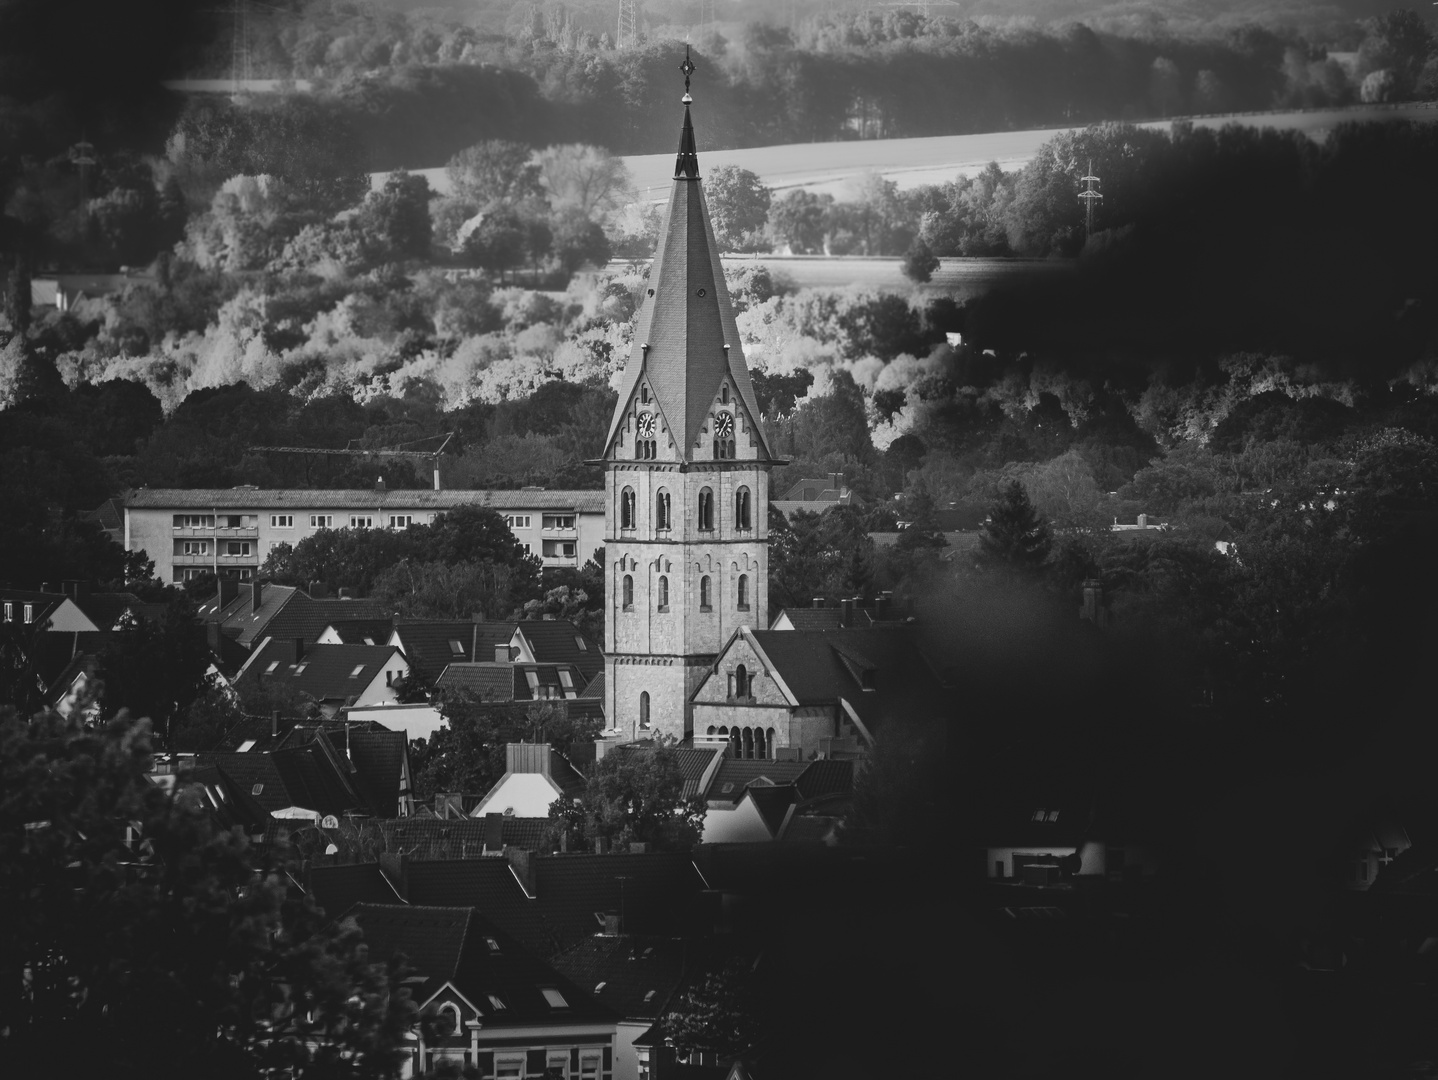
646, 425
724, 425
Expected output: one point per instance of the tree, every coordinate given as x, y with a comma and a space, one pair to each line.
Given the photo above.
579, 242
437, 590
586, 179
718, 1013
738, 207
798, 220
920, 262
186, 939
1015, 536
634, 796
396, 218
498, 243
495, 172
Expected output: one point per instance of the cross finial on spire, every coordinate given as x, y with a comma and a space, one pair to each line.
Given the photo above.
688, 68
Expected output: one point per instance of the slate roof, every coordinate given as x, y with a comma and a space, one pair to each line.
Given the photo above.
378, 758
324, 672
239, 619
559, 641
595, 689
462, 946
682, 330
639, 975
427, 644
485, 681
658, 896
313, 776
362, 631
106, 608
826, 777
247, 498
693, 762
488, 885
307, 619
53, 653
820, 667
338, 888
737, 774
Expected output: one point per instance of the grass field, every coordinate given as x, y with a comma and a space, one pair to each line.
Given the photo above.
832, 167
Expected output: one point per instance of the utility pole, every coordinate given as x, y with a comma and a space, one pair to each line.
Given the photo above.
1088, 195
82, 155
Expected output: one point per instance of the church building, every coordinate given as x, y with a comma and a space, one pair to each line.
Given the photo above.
686, 479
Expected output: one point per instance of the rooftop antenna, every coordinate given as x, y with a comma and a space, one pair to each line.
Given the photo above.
1088, 195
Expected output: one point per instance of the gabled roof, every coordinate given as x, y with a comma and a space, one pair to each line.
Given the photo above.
773, 803
325, 672
825, 777
559, 641
338, 888
486, 681
658, 892
313, 777
308, 618
44, 604
595, 689
106, 609
241, 620
498, 681
460, 947
53, 653
735, 775
683, 328
634, 976
430, 644
490, 886
362, 631
229, 804
379, 758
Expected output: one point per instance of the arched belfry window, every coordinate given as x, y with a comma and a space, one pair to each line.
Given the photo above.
706, 598
663, 593
663, 519
741, 681
706, 510
626, 508
724, 394
741, 509
628, 591
644, 393
644, 709
742, 592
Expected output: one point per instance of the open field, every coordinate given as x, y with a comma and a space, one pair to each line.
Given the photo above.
959, 278
832, 167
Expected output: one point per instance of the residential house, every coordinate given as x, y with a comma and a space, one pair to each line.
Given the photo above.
798, 690
431, 645
189, 532
754, 801
855, 612
815, 495
53, 610
636, 977
334, 676
558, 641
1044, 835
309, 783
346, 631
498, 1008
63, 291
535, 775
502, 682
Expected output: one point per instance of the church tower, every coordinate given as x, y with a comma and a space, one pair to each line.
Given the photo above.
686, 478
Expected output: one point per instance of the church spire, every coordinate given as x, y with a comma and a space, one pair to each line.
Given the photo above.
686, 344
686, 165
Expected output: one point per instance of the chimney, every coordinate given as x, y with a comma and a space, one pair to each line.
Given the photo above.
501, 653
346, 594
299, 649
318, 590
274, 723
379, 483
848, 605
601, 845
395, 868
493, 833
257, 589
881, 607
817, 602
1143, 521
522, 863
612, 924
229, 588
527, 758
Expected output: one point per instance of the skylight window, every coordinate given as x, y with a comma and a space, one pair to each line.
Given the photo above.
300, 669
495, 1002
554, 997
599, 986
258, 789
456, 646
1039, 815
649, 997
579, 641
565, 679
533, 677
1053, 815
247, 745
271, 669
493, 944
355, 674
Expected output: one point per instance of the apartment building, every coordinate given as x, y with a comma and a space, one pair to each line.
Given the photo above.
192, 531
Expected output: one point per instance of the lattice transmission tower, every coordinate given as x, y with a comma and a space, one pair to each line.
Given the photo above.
628, 36
1089, 196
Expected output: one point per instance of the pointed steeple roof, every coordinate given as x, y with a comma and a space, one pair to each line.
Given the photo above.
686, 342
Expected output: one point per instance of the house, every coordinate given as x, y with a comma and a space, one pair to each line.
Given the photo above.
816, 495
535, 775
425, 835
636, 977
54, 610
230, 806
334, 676
347, 631
1046, 834
308, 783
797, 690
418, 720
497, 1007
558, 641
753, 801
855, 612
189, 532
63, 291
502, 681
431, 645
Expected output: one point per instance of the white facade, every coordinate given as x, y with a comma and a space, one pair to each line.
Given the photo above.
189, 532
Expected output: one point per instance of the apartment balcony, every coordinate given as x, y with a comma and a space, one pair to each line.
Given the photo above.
251, 532
222, 560
554, 530
194, 560
559, 560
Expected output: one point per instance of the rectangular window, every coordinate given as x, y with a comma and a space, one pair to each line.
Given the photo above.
558, 1063
361, 521
517, 521
401, 521
554, 997
589, 1067
9, 611
559, 521
237, 547
196, 547
355, 674
194, 521
509, 1067
322, 521
282, 521
29, 613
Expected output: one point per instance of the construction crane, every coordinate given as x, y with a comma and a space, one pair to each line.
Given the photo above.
356, 451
